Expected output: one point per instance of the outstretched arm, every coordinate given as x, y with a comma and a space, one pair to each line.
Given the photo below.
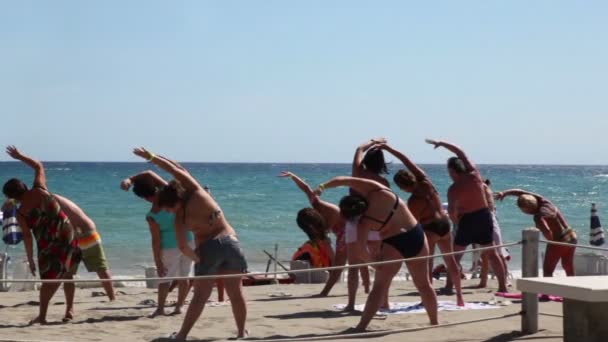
40, 176
360, 151
360, 185
301, 184
418, 172
514, 192
180, 174
454, 149
156, 179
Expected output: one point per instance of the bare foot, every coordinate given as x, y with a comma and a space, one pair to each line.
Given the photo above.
481, 285
353, 330
157, 312
69, 315
349, 308
460, 301
244, 334
38, 320
322, 294
177, 311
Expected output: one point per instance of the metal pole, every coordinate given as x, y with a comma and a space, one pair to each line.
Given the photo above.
529, 268
276, 258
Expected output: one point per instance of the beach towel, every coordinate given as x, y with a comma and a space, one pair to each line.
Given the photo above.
416, 307
518, 295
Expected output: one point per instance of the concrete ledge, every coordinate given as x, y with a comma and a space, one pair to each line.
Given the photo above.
586, 289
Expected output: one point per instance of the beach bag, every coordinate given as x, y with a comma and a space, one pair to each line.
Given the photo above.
11, 232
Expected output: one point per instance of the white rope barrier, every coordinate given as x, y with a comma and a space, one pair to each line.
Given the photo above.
550, 315
565, 244
266, 274
382, 332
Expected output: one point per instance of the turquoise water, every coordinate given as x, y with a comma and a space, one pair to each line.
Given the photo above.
263, 207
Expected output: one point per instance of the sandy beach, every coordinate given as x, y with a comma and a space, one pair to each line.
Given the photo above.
271, 317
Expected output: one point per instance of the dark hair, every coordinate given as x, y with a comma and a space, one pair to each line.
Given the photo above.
312, 223
487, 181
352, 206
404, 178
373, 161
144, 188
14, 188
457, 165
170, 194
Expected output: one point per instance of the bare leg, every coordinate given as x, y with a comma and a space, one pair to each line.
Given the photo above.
182, 292
449, 285
163, 292
419, 271
69, 289
365, 278
353, 278
202, 291
339, 260
220, 290
445, 246
497, 266
431, 238
47, 290
107, 285
382, 281
483, 275
234, 289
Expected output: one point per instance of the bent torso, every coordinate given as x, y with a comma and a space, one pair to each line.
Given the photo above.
203, 216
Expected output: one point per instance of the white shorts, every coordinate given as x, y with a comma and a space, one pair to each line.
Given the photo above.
177, 264
350, 233
498, 237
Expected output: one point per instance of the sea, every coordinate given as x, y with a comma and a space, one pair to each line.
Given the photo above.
262, 207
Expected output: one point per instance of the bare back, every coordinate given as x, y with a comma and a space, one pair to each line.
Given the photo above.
467, 194
381, 204
203, 216
83, 223
425, 203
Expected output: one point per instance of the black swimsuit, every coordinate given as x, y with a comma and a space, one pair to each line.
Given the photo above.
409, 242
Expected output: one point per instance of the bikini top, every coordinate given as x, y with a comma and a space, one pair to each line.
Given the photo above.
389, 216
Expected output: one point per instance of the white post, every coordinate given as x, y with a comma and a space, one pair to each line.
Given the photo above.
529, 268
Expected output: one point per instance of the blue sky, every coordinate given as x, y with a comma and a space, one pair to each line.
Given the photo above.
305, 81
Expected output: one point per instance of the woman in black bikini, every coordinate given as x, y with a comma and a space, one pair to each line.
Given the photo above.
425, 205
381, 210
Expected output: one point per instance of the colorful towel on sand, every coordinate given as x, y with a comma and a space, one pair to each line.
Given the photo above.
518, 295
416, 307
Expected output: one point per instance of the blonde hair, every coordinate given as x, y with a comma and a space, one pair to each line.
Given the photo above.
527, 201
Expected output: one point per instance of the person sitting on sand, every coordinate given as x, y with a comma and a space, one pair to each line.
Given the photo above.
469, 209
89, 241
218, 250
425, 204
379, 209
40, 215
550, 221
169, 260
317, 250
331, 215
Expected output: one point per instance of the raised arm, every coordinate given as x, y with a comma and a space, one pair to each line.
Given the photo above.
360, 185
360, 151
515, 192
40, 176
180, 174
148, 174
418, 172
454, 149
301, 184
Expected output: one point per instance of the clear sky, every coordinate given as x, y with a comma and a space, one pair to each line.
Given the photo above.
305, 81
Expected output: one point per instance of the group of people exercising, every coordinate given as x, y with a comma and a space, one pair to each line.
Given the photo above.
371, 223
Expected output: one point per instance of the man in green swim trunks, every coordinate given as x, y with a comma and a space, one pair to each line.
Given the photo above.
89, 242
